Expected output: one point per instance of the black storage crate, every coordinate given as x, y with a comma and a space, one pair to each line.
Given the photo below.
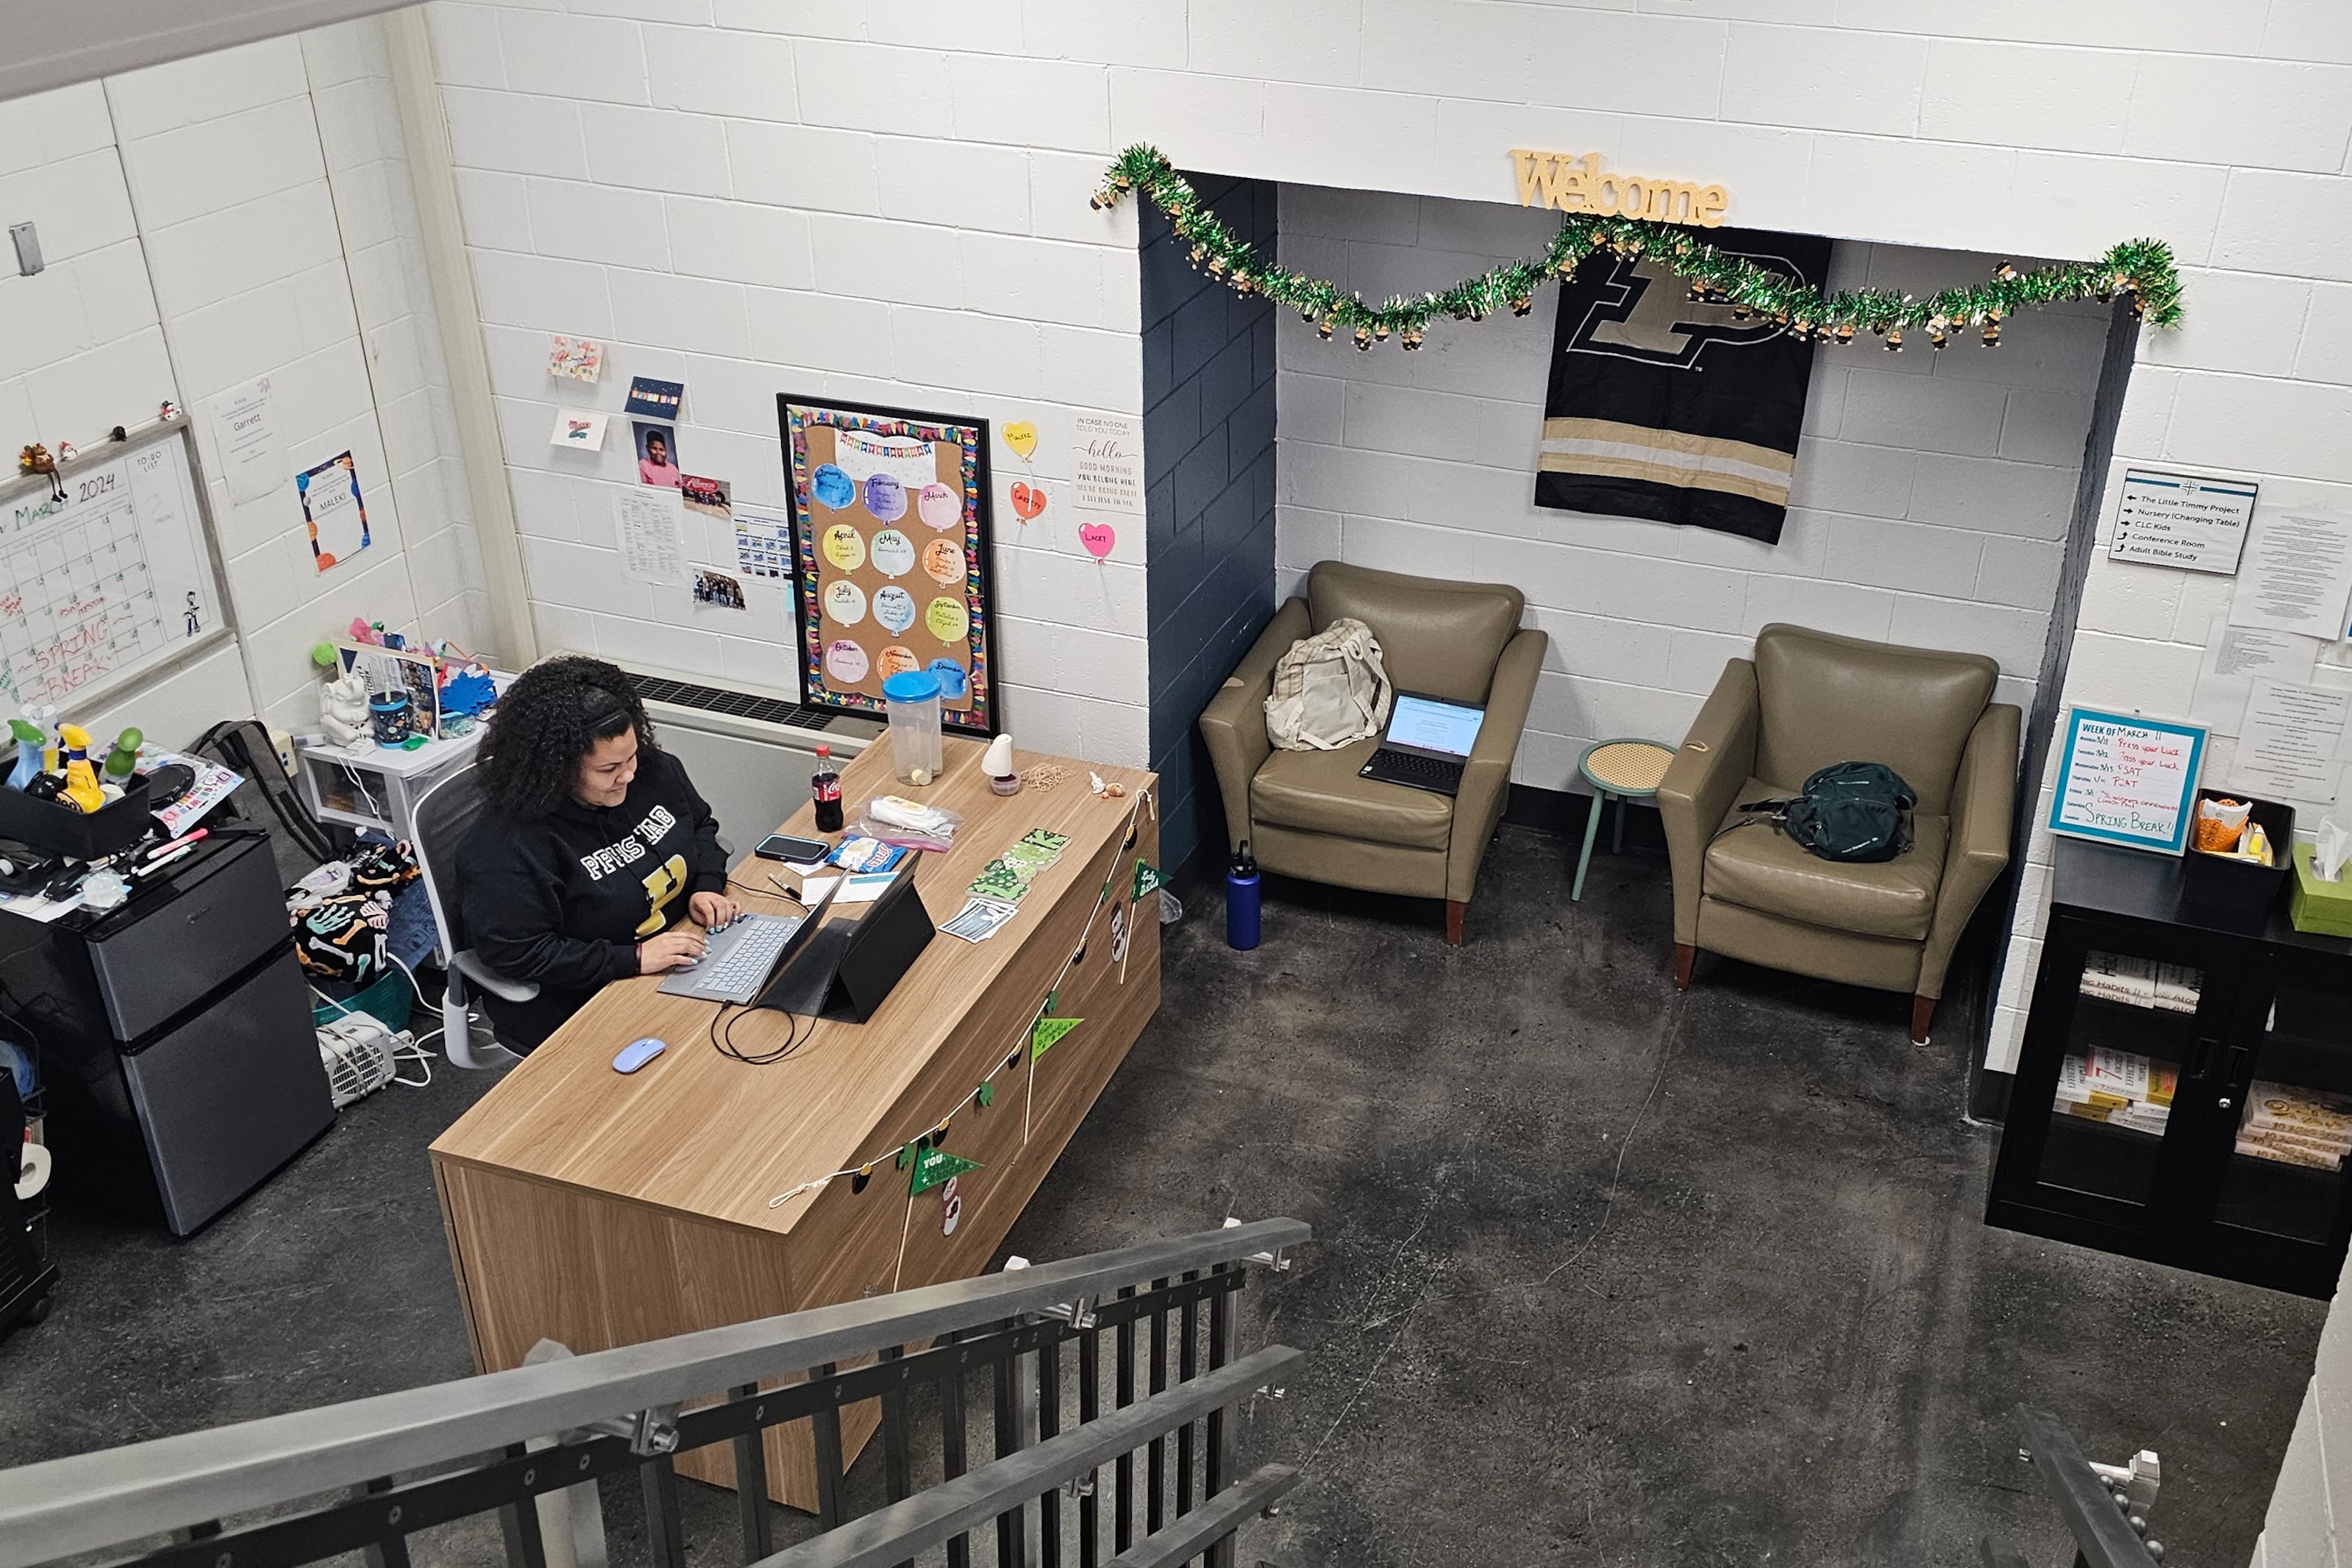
2234, 894
59, 827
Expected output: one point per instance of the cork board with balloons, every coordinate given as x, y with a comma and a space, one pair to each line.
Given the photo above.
890, 530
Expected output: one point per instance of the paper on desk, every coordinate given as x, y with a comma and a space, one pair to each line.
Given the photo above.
2296, 575
34, 907
2235, 656
862, 887
2287, 742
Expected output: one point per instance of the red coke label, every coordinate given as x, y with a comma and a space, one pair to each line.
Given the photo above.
826, 786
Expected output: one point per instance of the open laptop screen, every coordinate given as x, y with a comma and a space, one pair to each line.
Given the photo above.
1428, 724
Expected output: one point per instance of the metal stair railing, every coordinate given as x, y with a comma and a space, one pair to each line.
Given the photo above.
525, 1445
2106, 1506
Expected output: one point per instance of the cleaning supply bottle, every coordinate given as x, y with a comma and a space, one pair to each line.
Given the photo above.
1241, 900
81, 779
28, 752
123, 760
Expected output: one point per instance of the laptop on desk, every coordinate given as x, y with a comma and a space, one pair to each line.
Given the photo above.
1426, 745
739, 961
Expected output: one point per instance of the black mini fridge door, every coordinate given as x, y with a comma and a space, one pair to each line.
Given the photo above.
230, 1094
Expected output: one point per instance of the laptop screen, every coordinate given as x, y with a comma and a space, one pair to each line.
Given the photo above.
1432, 725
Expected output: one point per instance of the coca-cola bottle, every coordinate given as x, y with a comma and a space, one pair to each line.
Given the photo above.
824, 786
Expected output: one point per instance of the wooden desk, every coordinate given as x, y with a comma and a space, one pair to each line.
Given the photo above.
599, 1209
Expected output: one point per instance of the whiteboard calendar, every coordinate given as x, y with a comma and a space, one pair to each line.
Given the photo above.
107, 582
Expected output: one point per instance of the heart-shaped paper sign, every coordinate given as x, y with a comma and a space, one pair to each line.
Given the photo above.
1028, 501
1098, 538
1022, 437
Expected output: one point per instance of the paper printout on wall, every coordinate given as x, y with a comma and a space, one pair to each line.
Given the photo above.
1107, 452
247, 433
2296, 575
2287, 742
2235, 658
653, 537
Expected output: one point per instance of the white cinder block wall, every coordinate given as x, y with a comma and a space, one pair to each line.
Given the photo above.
888, 201
197, 217
1931, 502
895, 217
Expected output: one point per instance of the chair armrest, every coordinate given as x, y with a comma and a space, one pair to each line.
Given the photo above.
1233, 723
1702, 783
1984, 804
1485, 787
490, 980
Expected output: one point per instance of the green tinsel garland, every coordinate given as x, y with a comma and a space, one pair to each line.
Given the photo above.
2140, 269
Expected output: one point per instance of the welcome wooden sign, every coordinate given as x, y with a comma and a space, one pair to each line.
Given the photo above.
1575, 184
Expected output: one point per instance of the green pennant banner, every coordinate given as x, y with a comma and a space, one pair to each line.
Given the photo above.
933, 1167
1046, 1033
1147, 880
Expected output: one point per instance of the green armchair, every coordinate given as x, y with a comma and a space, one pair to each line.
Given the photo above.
1808, 700
1306, 813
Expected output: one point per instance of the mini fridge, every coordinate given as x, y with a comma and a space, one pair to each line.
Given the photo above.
182, 1066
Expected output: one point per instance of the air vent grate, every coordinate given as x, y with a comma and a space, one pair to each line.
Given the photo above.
735, 704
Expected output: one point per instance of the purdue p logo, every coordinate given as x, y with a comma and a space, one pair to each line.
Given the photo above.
663, 883
1642, 311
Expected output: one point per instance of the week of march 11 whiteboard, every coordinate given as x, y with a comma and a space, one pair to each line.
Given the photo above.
107, 583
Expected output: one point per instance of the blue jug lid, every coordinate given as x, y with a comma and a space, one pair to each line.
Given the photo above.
911, 686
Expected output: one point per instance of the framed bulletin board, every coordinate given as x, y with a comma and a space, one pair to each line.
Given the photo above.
890, 537
2127, 780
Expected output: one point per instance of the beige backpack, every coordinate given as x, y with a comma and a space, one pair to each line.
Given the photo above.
1329, 689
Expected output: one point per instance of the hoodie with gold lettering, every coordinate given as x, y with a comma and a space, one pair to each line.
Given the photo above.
563, 899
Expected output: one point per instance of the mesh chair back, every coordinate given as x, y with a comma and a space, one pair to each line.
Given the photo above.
443, 816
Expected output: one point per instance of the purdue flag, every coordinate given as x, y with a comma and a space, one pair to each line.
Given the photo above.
1662, 408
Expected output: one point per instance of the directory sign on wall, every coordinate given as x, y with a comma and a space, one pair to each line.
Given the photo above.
2127, 780
2181, 519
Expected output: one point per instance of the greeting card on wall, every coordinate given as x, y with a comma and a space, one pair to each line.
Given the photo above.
889, 549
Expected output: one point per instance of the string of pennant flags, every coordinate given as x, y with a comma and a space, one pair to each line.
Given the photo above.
928, 1164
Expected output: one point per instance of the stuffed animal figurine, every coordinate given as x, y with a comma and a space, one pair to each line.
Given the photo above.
343, 709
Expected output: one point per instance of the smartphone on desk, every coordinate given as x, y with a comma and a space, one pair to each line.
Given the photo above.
797, 851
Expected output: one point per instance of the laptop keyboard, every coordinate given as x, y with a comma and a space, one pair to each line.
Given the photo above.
738, 958
1414, 763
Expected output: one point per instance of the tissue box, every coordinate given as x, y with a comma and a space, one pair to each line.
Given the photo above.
2320, 908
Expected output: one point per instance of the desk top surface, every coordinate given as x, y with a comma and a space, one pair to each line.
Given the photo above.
699, 1131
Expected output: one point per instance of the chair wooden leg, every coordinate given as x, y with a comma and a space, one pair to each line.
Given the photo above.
1923, 1013
1685, 955
1455, 909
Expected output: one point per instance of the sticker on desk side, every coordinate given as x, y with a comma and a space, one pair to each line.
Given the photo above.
979, 919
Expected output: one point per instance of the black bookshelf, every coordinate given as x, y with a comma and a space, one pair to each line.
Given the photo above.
2272, 1007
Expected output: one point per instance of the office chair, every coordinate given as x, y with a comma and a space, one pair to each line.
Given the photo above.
443, 816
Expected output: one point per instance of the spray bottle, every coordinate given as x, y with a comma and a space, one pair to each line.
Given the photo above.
81, 779
28, 752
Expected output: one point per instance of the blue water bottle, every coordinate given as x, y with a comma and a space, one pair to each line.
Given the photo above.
1241, 900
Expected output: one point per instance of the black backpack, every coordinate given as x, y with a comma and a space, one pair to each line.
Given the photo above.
1847, 811
269, 799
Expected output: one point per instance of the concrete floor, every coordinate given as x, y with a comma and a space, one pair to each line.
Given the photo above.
1603, 1274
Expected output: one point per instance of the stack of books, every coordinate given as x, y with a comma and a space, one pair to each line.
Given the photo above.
2295, 1126
2142, 982
2119, 1088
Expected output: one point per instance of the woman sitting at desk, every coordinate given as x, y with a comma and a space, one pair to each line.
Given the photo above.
591, 847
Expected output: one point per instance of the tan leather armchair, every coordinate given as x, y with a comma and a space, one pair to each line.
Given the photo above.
1808, 700
1306, 813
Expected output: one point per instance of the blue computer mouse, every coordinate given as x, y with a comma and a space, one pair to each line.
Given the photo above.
637, 1053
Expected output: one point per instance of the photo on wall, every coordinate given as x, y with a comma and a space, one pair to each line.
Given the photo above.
657, 454
890, 527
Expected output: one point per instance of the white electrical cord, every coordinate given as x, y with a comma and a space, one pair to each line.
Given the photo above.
407, 1047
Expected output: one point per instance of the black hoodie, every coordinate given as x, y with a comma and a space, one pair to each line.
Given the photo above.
563, 899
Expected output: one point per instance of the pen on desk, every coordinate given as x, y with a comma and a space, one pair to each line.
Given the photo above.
181, 842
785, 891
182, 853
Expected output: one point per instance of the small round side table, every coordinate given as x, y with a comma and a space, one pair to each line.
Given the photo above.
1619, 770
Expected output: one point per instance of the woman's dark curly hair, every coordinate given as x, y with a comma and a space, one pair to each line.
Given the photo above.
549, 719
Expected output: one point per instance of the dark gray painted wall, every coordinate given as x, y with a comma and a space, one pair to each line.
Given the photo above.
1208, 442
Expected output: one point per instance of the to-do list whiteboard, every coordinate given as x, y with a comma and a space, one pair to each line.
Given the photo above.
108, 584
2127, 780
